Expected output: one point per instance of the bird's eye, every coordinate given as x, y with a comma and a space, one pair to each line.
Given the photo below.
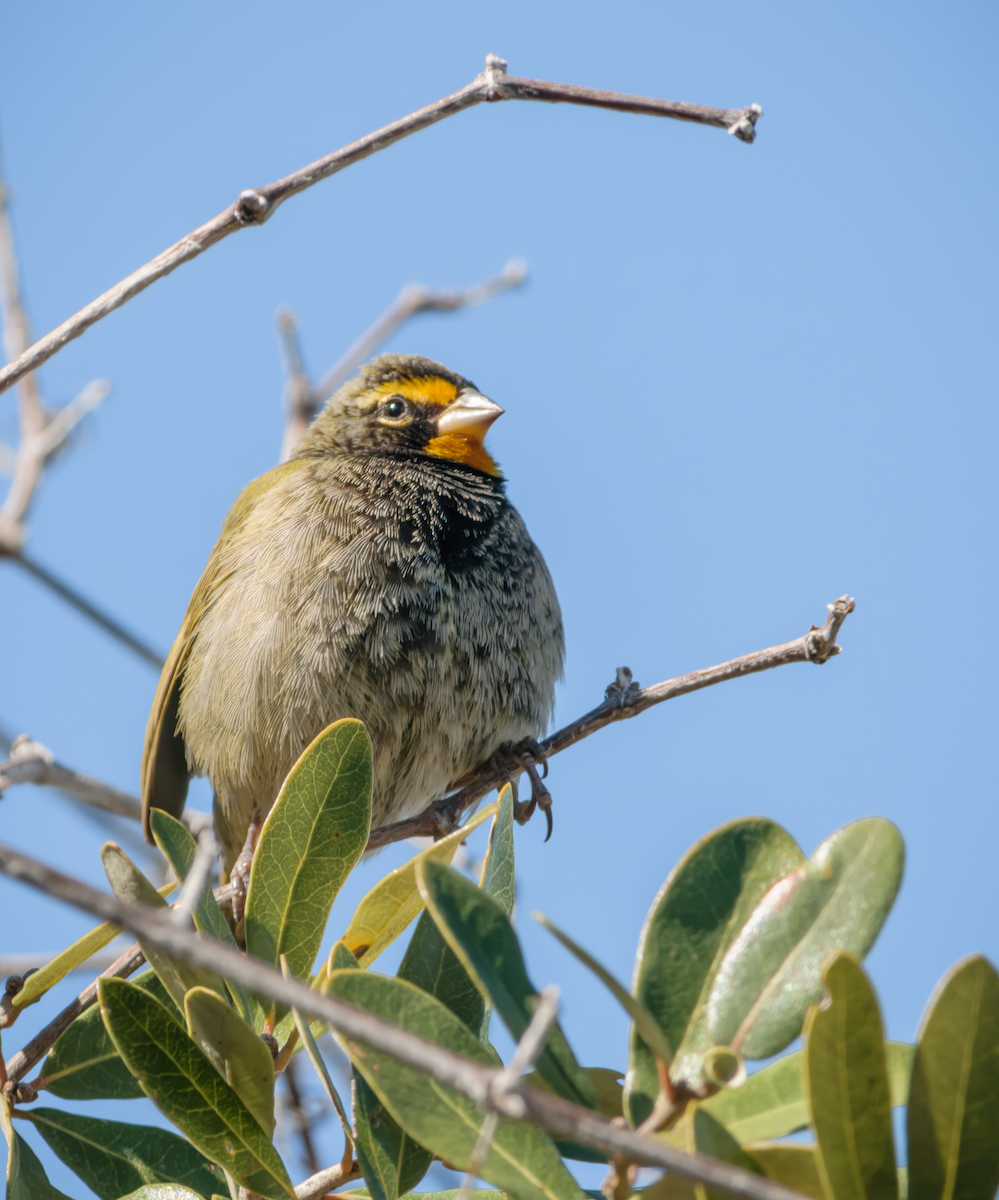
394, 408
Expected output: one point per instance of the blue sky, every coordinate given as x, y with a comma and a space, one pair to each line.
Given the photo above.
739, 382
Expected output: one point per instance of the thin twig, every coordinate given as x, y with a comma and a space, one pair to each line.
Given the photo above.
299, 1117
31, 762
485, 1086
21, 1063
255, 205
324, 1181
303, 402
43, 433
531, 1044
88, 609
624, 699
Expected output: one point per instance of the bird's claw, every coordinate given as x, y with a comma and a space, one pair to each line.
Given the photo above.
531, 755
239, 876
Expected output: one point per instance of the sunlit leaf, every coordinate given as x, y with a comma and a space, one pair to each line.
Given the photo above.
772, 972
313, 835
188, 1090
480, 934
698, 913
234, 1050
845, 1077
167, 1191
522, 1159
954, 1094
113, 1158
178, 847
394, 901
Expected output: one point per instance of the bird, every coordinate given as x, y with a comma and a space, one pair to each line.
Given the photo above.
382, 574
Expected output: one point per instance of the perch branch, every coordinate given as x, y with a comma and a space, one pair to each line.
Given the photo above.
255, 205
624, 699
303, 402
489, 1087
87, 609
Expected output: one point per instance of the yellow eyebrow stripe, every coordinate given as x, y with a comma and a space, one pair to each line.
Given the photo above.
430, 389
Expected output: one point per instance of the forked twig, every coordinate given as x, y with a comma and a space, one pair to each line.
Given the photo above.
302, 402
255, 205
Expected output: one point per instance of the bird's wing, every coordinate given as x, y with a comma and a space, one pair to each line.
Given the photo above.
164, 773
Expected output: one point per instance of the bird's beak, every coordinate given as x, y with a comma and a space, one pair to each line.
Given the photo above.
469, 413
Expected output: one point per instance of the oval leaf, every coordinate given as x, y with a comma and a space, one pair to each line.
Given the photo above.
480, 934
313, 835
837, 900
522, 1159
954, 1093
386, 911
392, 1162
187, 1089
234, 1050
166, 1191
845, 1077
113, 1158
178, 847
698, 913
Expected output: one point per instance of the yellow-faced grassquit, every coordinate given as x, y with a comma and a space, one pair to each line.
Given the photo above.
381, 574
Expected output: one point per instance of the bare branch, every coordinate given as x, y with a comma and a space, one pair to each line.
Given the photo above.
255, 205
21, 1063
324, 1181
87, 609
303, 402
486, 1086
624, 699
31, 762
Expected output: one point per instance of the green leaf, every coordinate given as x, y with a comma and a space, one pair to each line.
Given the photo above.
645, 1023
451, 1194
234, 1050
845, 1076
480, 934
84, 1063
178, 847
795, 1166
188, 1090
497, 879
607, 1085
386, 911
313, 835
392, 1162
130, 885
837, 900
522, 1159
26, 1178
771, 1103
954, 1094
698, 913
113, 1158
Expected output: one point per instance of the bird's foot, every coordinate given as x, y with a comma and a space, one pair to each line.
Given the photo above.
239, 876
530, 754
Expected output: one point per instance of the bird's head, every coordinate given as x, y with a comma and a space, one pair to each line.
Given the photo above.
404, 404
